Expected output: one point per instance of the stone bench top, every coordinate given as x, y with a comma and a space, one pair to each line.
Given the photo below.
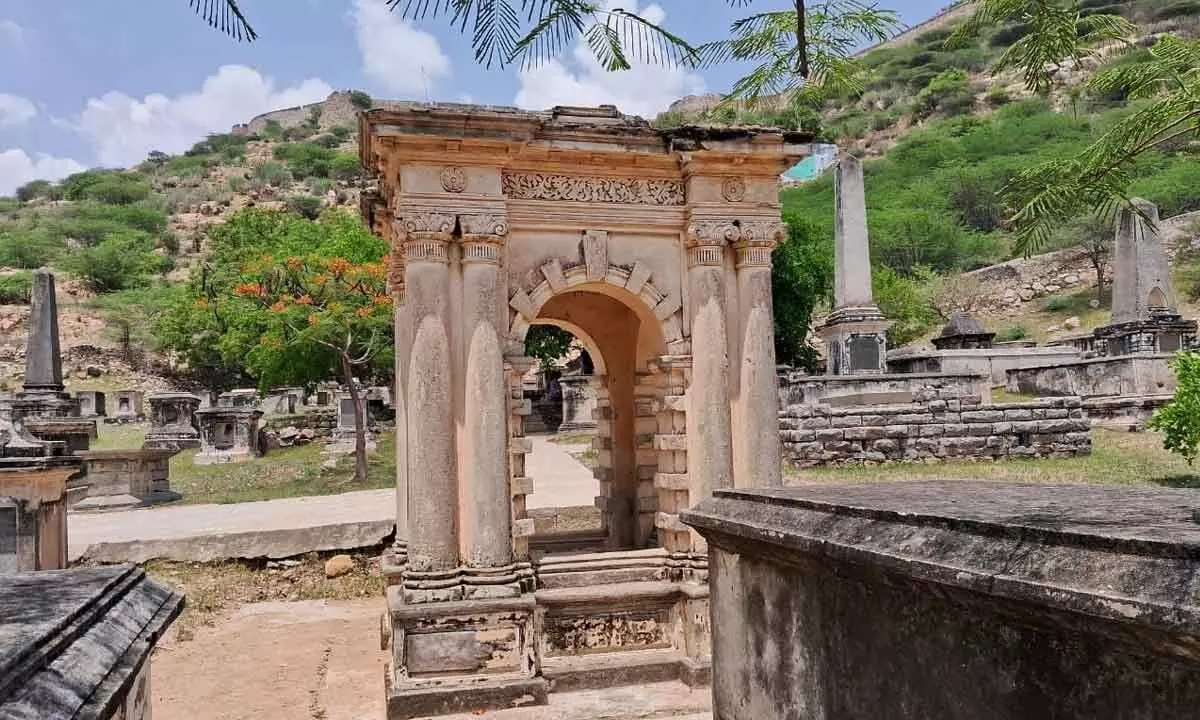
1127, 555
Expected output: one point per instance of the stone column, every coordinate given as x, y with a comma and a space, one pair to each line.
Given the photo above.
757, 433
1140, 266
709, 451
402, 341
852, 250
432, 572
484, 494
43, 361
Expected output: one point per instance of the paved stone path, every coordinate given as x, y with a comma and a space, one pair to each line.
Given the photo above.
289, 526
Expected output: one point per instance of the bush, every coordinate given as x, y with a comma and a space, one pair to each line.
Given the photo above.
948, 92
1058, 304
328, 140
974, 196
115, 187
1011, 333
901, 299
272, 173
343, 132
305, 206
360, 100
296, 133
1179, 420
997, 97
319, 186
272, 130
120, 261
15, 288
228, 147
26, 247
345, 166
38, 189
305, 159
188, 165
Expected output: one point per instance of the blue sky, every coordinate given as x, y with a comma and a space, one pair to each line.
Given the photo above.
102, 82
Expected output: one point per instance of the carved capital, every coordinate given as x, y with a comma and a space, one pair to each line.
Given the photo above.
706, 241
483, 224
425, 223
758, 239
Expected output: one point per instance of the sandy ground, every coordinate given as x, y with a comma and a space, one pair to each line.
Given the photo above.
321, 660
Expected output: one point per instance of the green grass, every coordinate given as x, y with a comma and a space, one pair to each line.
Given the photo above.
287, 472
1117, 459
120, 437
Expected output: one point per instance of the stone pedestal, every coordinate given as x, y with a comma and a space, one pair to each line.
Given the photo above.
240, 398
127, 406
578, 403
855, 341
91, 403
173, 424
228, 434
81, 643
126, 478
953, 599
33, 514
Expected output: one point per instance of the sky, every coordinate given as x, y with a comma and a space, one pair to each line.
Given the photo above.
101, 83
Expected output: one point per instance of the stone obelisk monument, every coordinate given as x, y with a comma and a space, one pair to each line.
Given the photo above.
1145, 317
47, 410
856, 331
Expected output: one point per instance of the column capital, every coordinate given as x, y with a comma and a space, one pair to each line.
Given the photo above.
707, 239
426, 236
482, 237
756, 241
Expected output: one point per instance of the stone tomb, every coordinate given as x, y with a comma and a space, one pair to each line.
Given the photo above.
228, 435
77, 643
91, 403
653, 248
579, 403
126, 478
240, 398
954, 599
127, 406
173, 424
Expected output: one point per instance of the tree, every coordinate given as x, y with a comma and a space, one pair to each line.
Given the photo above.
320, 308
547, 344
1179, 420
226, 16
361, 100
121, 260
1093, 235
801, 277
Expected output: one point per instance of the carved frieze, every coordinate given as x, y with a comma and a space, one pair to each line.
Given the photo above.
454, 179
630, 191
733, 189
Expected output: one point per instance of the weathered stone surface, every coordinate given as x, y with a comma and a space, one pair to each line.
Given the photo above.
945, 597
338, 565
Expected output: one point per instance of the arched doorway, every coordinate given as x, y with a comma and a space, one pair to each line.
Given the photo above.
622, 336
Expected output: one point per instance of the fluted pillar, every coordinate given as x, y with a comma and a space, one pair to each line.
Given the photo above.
756, 436
484, 497
403, 341
709, 449
432, 486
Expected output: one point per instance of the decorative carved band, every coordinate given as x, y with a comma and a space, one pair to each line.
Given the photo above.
428, 223
426, 250
763, 232
712, 232
631, 191
481, 251
705, 255
753, 256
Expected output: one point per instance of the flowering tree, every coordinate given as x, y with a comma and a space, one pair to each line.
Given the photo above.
325, 313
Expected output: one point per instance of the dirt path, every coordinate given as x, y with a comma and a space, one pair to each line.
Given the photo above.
276, 661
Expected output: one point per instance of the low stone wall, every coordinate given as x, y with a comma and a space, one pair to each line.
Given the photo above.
993, 362
1124, 375
120, 478
797, 388
1123, 413
938, 429
322, 421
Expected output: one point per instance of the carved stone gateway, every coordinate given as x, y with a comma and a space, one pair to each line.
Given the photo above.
653, 248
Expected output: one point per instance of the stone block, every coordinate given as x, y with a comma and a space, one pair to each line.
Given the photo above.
796, 436
1058, 426
982, 416
899, 431
814, 423
845, 421
979, 429
829, 434
885, 446
1021, 414
915, 418
931, 430
954, 430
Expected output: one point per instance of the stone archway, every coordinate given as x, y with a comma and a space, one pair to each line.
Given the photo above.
656, 245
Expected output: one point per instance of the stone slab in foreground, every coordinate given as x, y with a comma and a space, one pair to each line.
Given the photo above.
954, 600
209, 533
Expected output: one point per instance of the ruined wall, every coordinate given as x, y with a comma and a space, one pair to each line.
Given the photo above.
1113, 376
798, 388
943, 429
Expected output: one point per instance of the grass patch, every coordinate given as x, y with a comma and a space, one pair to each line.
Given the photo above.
1117, 458
123, 436
287, 472
212, 588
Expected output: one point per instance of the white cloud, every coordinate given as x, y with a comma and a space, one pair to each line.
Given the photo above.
15, 110
579, 79
401, 58
123, 129
12, 35
17, 168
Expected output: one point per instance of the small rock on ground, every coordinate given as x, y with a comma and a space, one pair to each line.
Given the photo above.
338, 565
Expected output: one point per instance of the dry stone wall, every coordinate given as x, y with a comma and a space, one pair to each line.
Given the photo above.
934, 430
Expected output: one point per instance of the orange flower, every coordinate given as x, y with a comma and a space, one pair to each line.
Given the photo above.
363, 312
339, 265
304, 300
313, 320
249, 290
320, 279
279, 307
382, 299
201, 302
295, 263
376, 270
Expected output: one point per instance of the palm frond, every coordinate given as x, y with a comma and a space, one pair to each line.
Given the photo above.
226, 16
553, 33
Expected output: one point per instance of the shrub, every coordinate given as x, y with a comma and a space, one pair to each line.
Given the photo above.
345, 166
328, 140
343, 132
189, 165
15, 288
305, 159
115, 187
901, 299
1058, 304
1011, 333
997, 97
296, 133
306, 206
38, 189
948, 92
1179, 420
227, 146
90, 222
272, 173
272, 130
974, 196
120, 261
360, 100
9, 204
26, 247
319, 186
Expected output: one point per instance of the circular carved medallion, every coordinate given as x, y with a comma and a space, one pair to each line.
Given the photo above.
454, 179
733, 189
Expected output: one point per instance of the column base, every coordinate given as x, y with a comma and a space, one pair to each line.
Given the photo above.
474, 695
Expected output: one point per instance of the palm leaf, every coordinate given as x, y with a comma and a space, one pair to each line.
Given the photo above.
226, 16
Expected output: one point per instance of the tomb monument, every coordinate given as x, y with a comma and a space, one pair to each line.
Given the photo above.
173, 423
653, 248
228, 435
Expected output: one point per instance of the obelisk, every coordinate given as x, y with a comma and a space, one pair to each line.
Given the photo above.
856, 331
43, 359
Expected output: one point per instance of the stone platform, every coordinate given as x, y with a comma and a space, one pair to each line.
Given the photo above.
954, 600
